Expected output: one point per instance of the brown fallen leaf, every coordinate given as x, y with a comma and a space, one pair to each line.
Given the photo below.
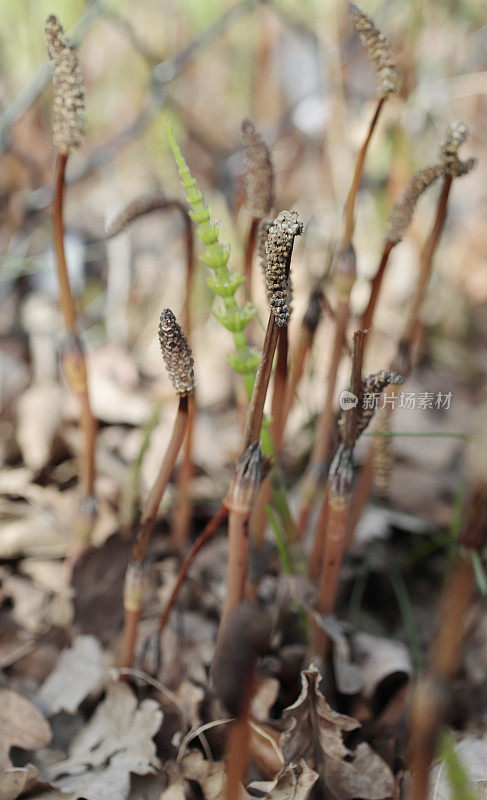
78, 672
116, 741
315, 728
315, 734
21, 725
295, 780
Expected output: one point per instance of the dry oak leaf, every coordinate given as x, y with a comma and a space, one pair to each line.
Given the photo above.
316, 733
295, 780
21, 725
116, 741
315, 728
78, 671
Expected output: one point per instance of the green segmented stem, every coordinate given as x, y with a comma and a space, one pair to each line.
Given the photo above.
222, 282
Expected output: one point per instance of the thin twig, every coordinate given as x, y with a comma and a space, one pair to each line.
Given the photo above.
208, 531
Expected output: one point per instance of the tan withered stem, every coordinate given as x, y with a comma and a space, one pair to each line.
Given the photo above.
68, 127
343, 280
259, 190
431, 697
133, 211
178, 361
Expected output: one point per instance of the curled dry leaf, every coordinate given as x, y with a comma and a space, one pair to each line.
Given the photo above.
295, 780
116, 741
78, 671
21, 725
316, 733
315, 728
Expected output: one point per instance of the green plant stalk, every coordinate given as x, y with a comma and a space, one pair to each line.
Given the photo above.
223, 282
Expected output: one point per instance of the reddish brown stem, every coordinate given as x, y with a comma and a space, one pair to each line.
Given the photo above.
280, 388
430, 700
297, 370
361, 494
325, 422
66, 301
155, 496
238, 542
249, 256
426, 262
333, 521
74, 364
334, 518
183, 509
208, 531
402, 359
238, 749
277, 426
129, 638
368, 315
349, 221
136, 209
134, 589
255, 411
